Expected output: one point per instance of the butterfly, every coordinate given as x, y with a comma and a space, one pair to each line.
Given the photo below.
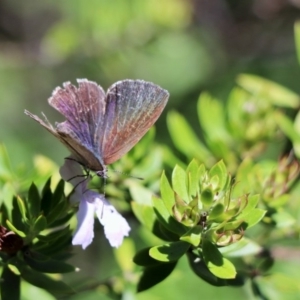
102, 127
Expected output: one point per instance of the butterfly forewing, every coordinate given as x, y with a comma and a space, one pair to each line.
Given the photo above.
132, 108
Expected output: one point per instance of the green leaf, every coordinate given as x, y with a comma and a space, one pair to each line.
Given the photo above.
140, 194
167, 193
207, 197
169, 252
62, 220
193, 179
275, 93
283, 219
179, 183
165, 218
22, 208
144, 214
252, 202
216, 263
280, 201
200, 269
56, 246
40, 224
252, 218
243, 247
155, 274
46, 200
217, 211
288, 128
16, 216
34, 201
297, 39
15, 230
10, 285
47, 265
58, 194
193, 236
56, 212
185, 139
54, 235
163, 233
52, 286
124, 255
219, 170
143, 258
212, 119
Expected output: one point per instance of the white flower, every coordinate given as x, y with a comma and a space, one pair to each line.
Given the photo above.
115, 226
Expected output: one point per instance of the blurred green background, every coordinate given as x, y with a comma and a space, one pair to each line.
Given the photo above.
184, 46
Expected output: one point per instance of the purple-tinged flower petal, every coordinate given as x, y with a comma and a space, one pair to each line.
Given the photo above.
115, 226
72, 172
84, 233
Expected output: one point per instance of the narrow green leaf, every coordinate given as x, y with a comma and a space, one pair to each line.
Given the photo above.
34, 201
15, 230
274, 92
54, 235
252, 202
193, 236
40, 224
288, 128
56, 212
165, 218
57, 288
212, 119
49, 265
62, 220
243, 247
216, 263
58, 193
219, 170
217, 210
124, 256
193, 179
10, 285
144, 214
297, 39
169, 252
200, 269
155, 274
22, 208
185, 139
207, 197
16, 216
163, 233
179, 183
252, 218
167, 193
283, 219
46, 200
143, 258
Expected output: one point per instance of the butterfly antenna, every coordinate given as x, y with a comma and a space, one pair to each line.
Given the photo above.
128, 175
47, 121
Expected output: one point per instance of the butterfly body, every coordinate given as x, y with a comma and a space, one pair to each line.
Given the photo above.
101, 127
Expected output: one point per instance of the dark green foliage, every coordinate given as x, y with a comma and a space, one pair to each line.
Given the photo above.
30, 220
